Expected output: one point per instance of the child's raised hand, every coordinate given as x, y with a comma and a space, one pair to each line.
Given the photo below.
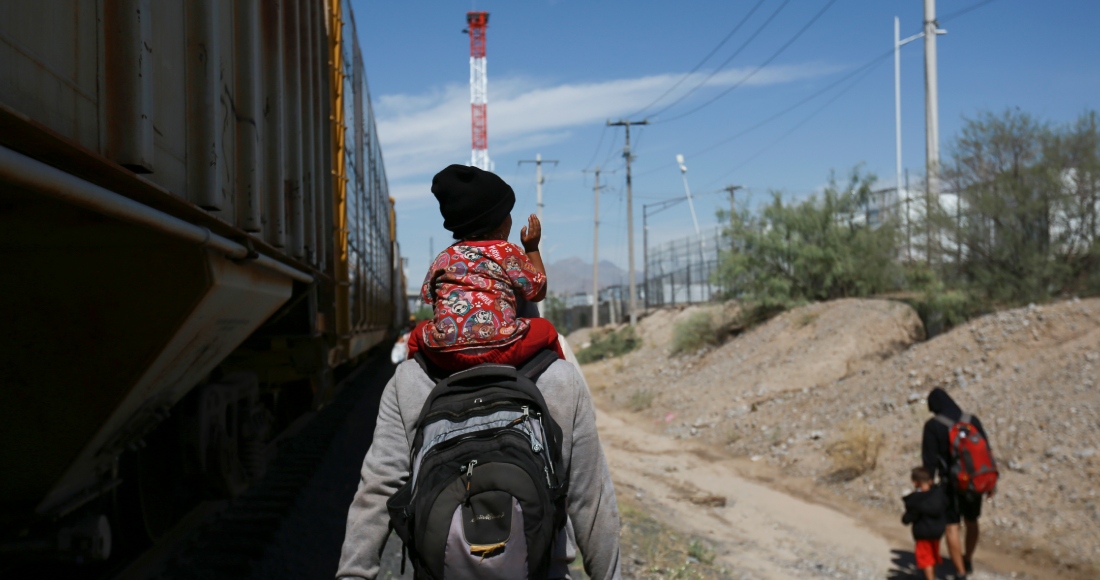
531, 234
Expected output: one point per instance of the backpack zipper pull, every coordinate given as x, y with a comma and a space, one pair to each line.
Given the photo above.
543, 430
469, 478
470, 471
535, 445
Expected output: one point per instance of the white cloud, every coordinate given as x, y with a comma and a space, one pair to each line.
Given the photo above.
423, 132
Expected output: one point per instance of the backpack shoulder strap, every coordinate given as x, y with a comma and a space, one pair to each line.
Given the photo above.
536, 365
967, 418
435, 373
942, 419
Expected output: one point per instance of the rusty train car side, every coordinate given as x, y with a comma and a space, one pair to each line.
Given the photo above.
196, 231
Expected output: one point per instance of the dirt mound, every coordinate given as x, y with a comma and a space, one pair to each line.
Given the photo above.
785, 392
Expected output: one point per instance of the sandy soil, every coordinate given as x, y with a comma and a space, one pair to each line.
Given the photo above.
763, 409
759, 532
770, 526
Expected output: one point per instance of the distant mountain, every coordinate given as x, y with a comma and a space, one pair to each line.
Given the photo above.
572, 275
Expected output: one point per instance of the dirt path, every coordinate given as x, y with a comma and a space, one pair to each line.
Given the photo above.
762, 532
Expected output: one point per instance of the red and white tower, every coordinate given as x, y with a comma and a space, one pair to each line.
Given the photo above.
479, 89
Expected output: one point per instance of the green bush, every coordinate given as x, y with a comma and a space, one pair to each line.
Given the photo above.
940, 309
609, 345
820, 248
694, 332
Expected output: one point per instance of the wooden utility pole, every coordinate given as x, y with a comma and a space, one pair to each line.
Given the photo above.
625, 124
596, 250
538, 161
732, 189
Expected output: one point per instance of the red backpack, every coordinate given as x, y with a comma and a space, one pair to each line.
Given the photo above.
974, 469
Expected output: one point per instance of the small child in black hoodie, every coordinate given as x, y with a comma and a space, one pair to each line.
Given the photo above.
926, 510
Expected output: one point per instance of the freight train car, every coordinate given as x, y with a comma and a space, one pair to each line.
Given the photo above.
195, 231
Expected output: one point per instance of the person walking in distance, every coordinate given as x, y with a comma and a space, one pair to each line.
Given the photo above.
956, 447
926, 511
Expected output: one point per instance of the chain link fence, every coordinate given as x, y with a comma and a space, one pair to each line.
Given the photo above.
682, 271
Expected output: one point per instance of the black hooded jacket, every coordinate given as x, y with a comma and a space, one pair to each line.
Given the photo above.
927, 511
936, 443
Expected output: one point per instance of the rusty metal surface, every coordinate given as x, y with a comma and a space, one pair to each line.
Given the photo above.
271, 26
225, 153
202, 57
234, 302
292, 129
249, 168
128, 66
20, 171
30, 138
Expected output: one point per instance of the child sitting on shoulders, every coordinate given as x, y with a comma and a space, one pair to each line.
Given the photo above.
926, 510
473, 284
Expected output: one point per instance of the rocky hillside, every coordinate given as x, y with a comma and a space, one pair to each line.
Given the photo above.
792, 389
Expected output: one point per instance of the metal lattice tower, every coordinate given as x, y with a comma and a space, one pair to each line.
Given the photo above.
479, 89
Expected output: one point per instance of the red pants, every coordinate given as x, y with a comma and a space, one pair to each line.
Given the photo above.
928, 553
540, 335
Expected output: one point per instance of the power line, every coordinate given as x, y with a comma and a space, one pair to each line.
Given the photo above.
868, 65
637, 141
705, 59
610, 148
872, 62
741, 48
783, 112
801, 123
760, 67
596, 153
968, 9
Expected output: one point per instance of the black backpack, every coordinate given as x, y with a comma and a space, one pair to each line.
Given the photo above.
486, 497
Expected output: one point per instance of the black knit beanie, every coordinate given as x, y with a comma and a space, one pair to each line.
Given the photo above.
473, 201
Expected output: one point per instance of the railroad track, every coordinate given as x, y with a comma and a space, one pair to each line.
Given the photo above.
226, 539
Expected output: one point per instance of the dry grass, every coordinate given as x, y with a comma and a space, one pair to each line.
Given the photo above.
708, 500
609, 344
855, 451
807, 318
653, 550
731, 435
701, 329
640, 400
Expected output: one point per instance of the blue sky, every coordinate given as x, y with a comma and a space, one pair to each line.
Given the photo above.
558, 69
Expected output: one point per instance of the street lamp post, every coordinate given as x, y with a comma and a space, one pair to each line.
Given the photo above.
898, 43
930, 93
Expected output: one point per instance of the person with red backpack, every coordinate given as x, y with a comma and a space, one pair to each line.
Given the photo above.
956, 446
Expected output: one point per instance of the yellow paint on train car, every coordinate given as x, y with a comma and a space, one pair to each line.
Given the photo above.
340, 184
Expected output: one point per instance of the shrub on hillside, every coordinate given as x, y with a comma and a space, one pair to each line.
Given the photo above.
609, 345
696, 331
820, 248
641, 400
855, 451
940, 309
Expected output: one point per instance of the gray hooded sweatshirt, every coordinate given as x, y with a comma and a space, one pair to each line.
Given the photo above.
593, 512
